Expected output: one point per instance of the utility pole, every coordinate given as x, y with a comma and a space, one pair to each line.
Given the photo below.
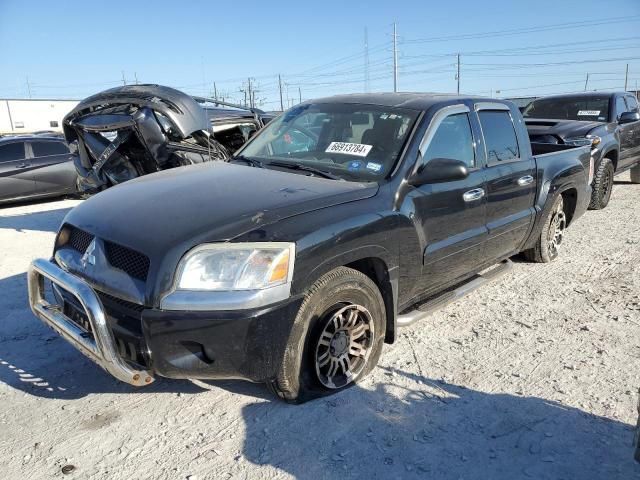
124, 81
299, 95
366, 60
250, 95
586, 82
215, 92
626, 77
135, 75
28, 87
395, 58
280, 87
458, 74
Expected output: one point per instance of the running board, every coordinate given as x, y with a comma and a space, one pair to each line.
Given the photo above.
436, 303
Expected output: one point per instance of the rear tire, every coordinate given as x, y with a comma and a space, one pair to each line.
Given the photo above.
548, 243
336, 339
602, 185
635, 174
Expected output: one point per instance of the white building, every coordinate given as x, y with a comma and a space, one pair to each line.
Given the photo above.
24, 116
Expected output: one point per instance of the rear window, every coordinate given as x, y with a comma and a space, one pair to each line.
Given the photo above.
44, 149
12, 151
499, 136
569, 108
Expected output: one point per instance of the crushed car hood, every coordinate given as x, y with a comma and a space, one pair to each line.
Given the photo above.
130, 131
210, 202
560, 128
186, 115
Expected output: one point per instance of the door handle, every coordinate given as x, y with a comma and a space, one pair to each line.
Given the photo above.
472, 195
526, 180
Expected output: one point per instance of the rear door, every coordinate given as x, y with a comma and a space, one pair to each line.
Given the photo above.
452, 214
511, 184
52, 165
630, 135
16, 179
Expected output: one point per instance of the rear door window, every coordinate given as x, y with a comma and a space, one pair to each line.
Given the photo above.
453, 140
44, 149
11, 151
499, 136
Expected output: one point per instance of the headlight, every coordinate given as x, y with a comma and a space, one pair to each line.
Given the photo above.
592, 140
236, 266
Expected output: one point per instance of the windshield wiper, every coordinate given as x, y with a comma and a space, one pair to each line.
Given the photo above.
249, 161
305, 168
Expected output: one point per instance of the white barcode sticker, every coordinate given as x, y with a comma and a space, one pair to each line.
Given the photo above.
589, 113
357, 149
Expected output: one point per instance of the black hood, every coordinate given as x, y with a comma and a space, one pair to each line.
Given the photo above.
215, 201
560, 129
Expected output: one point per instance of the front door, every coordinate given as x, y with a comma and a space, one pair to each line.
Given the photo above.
630, 136
511, 183
452, 214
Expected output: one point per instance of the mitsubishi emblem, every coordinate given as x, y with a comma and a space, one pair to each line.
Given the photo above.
89, 257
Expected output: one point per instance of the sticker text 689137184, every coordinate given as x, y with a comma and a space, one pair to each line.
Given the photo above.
357, 149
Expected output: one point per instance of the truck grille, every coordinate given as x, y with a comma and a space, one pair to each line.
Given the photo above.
134, 263
129, 261
79, 239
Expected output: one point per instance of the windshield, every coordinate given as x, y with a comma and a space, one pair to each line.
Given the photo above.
569, 108
352, 141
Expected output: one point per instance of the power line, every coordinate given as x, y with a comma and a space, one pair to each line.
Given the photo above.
523, 30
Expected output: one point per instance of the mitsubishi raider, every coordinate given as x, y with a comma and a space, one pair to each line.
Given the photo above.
293, 262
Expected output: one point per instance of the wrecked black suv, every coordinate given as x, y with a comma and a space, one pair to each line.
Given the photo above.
293, 262
130, 131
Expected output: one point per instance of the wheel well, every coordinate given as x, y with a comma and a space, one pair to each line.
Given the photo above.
376, 270
613, 156
570, 200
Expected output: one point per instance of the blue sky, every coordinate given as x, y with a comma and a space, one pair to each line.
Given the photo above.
70, 49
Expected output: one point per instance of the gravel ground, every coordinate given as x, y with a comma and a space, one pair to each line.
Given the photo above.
534, 376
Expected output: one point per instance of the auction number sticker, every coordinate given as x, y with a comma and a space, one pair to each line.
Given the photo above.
589, 113
357, 149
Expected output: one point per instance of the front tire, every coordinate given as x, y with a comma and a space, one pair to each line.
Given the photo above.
635, 174
548, 243
602, 185
336, 339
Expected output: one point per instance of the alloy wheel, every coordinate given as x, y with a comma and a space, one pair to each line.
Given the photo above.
344, 346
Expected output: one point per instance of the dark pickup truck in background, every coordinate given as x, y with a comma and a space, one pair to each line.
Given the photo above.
609, 122
294, 261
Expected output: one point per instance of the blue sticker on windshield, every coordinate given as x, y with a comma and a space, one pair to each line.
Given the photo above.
375, 167
355, 165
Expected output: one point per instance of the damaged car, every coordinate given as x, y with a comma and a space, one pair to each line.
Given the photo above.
130, 131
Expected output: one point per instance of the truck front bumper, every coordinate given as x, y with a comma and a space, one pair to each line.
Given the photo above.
243, 344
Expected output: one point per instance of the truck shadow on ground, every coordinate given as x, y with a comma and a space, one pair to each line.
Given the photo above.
413, 427
47, 221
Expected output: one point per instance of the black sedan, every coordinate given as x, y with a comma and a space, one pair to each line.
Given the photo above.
33, 166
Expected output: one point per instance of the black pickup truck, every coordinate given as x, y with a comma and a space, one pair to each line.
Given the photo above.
294, 261
609, 122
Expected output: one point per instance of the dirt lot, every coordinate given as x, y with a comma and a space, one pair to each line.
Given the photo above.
534, 376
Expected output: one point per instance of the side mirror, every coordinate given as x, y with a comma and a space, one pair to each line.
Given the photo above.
440, 170
629, 117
